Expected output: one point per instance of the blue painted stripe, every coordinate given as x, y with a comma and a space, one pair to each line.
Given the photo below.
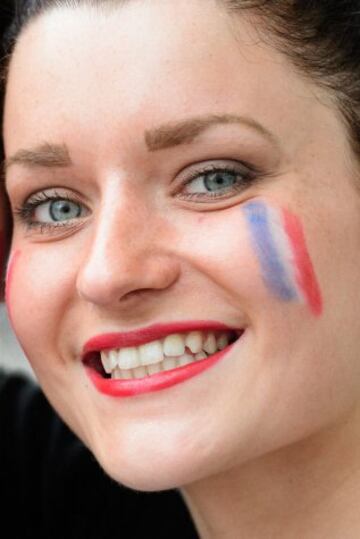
272, 269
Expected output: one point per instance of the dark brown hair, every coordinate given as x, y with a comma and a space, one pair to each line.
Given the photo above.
322, 39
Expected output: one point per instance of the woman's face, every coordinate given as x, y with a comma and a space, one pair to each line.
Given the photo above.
171, 174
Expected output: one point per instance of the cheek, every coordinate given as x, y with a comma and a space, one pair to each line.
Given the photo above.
36, 289
218, 248
257, 252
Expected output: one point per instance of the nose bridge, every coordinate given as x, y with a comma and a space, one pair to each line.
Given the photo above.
121, 232
126, 252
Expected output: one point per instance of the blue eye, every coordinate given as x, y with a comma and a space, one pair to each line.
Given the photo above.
210, 182
56, 211
48, 211
218, 180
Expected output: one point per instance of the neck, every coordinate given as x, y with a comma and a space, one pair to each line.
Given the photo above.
310, 489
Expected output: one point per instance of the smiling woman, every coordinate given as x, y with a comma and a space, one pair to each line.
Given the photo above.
183, 178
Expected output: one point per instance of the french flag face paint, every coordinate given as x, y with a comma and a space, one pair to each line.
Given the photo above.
279, 243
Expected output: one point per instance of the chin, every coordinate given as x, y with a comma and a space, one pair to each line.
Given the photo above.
159, 470
137, 476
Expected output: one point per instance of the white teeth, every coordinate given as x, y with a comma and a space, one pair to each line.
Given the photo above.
157, 356
222, 341
126, 374
174, 345
185, 359
109, 361
151, 353
121, 374
194, 341
128, 358
210, 344
139, 372
154, 369
169, 363
116, 374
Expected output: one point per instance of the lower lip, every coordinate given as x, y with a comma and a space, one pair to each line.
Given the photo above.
155, 382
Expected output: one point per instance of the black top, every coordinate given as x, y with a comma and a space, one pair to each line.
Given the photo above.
53, 488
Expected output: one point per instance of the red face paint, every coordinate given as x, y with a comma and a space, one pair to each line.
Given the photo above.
285, 262
8, 281
306, 275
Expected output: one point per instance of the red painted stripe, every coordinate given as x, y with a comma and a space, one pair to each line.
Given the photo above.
306, 277
9, 275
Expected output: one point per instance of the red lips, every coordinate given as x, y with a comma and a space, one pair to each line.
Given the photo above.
155, 382
148, 334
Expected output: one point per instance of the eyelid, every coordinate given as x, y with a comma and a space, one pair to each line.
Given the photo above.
55, 192
215, 164
218, 168
195, 171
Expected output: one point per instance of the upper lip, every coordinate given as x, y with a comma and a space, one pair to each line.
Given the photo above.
154, 332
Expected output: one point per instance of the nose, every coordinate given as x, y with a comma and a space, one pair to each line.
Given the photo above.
128, 253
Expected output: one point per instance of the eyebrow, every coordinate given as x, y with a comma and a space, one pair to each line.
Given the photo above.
45, 155
166, 136
186, 131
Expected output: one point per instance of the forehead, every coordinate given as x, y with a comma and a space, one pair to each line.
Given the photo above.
104, 71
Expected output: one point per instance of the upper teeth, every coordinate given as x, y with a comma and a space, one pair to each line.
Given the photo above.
172, 346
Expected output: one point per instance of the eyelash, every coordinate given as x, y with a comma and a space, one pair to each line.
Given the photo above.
249, 175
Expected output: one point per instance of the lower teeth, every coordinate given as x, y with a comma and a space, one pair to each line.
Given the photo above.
166, 365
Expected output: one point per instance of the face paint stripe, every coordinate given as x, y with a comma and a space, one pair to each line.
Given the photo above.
272, 268
285, 251
9, 273
305, 275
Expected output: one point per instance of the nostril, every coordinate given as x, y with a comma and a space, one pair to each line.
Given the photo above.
140, 294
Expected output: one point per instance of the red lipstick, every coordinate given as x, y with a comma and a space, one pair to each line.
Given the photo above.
162, 380
148, 334
155, 382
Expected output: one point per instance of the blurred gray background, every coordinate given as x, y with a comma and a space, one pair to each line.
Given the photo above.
11, 356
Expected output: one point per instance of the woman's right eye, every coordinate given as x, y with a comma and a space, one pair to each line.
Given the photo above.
44, 210
57, 211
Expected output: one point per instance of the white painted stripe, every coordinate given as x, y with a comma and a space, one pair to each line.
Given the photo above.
284, 248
